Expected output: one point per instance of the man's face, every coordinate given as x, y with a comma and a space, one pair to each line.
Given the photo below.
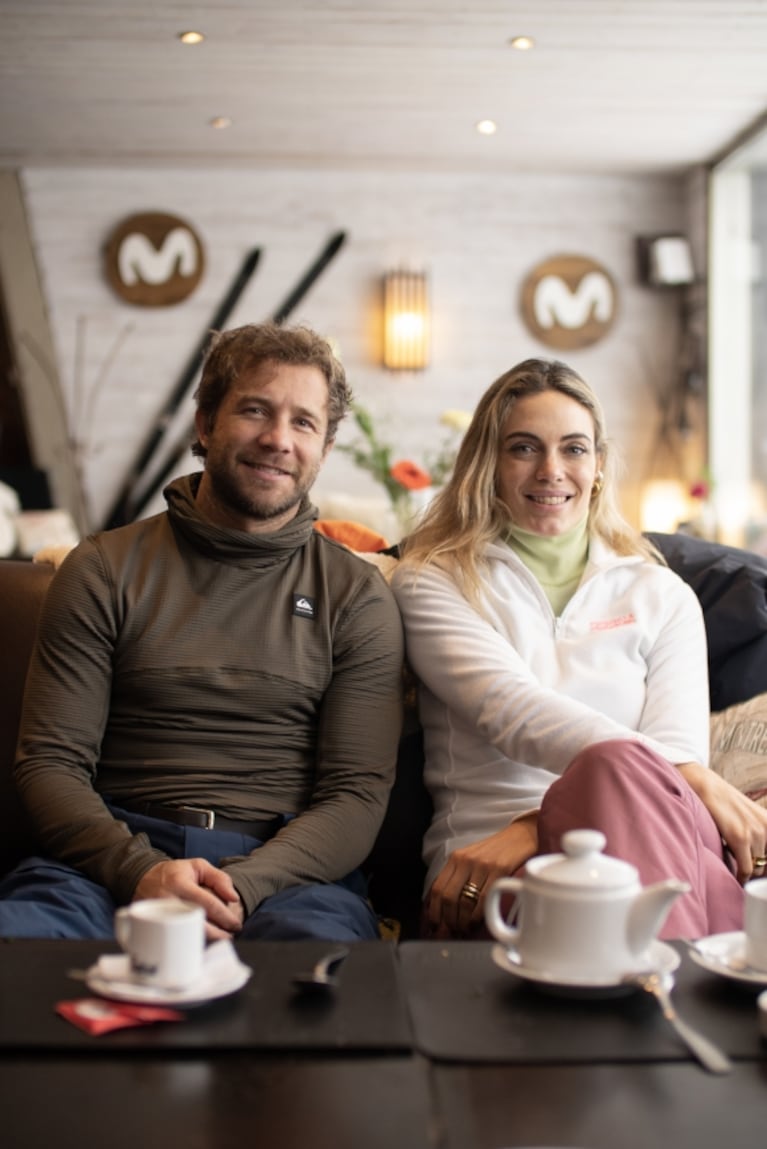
266, 446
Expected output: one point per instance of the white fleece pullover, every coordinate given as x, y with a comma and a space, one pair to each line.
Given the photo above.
507, 700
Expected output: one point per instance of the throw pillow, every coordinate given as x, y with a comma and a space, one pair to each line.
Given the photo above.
355, 536
739, 746
731, 585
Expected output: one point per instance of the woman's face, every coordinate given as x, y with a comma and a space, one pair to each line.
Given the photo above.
547, 463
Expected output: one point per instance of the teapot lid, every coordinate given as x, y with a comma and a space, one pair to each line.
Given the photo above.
586, 866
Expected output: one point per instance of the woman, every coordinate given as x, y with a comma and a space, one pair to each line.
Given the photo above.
563, 670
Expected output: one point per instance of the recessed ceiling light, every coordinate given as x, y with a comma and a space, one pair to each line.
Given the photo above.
522, 43
487, 127
191, 37
221, 122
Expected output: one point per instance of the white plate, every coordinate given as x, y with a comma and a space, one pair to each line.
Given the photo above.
724, 954
213, 983
661, 958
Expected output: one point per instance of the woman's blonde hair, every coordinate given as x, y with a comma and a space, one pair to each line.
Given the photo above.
467, 514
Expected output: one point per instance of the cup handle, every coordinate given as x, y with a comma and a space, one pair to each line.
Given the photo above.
122, 926
495, 921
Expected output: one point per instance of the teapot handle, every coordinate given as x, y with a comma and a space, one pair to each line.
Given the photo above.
496, 922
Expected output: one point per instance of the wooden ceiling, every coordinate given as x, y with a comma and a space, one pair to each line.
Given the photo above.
611, 85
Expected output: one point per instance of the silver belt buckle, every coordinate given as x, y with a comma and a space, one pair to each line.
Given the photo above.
210, 815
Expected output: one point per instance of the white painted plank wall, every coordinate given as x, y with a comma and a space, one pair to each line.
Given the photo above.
477, 237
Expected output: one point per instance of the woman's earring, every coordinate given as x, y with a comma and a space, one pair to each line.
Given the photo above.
599, 482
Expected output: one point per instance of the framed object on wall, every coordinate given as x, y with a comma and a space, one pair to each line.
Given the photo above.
154, 259
665, 261
569, 301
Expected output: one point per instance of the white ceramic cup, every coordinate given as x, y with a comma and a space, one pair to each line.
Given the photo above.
755, 923
164, 939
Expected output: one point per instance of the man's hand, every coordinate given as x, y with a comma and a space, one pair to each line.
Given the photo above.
448, 912
196, 880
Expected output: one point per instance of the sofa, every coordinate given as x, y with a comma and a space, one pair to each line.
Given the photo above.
731, 585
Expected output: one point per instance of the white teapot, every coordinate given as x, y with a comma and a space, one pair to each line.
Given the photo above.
581, 914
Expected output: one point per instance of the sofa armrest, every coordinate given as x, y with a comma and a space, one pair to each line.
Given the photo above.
22, 589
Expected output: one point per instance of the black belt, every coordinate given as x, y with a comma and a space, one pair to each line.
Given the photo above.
203, 819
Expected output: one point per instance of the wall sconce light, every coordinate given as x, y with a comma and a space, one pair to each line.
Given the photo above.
406, 321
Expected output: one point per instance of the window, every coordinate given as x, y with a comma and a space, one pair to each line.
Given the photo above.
738, 343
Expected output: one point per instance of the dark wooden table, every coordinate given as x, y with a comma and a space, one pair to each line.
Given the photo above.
425, 1046
215, 1101
263, 1067
651, 1105
513, 1065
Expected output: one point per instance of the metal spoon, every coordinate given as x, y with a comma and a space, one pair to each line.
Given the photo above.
709, 1055
322, 975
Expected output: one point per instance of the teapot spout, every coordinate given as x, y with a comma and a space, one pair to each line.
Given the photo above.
648, 912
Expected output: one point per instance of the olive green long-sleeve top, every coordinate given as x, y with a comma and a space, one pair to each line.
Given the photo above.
190, 664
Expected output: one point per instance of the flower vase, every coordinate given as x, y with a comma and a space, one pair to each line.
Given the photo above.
410, 508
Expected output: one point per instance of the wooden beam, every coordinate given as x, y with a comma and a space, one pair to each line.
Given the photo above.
33, 354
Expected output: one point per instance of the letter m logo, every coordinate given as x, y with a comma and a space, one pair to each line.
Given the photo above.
154, 260
569, 301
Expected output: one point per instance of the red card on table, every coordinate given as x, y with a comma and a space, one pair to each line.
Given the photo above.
95, 1015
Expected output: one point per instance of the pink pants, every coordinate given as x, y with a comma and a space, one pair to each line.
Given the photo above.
653, 819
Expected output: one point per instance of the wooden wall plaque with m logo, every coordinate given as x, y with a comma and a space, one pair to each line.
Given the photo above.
154, 259
569, 301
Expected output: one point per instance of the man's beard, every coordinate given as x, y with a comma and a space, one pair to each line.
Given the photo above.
230, 493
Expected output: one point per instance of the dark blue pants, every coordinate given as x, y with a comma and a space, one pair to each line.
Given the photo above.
42, 898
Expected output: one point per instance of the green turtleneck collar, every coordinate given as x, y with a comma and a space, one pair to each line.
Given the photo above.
557, 561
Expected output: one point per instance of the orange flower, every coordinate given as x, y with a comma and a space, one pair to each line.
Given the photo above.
410, 475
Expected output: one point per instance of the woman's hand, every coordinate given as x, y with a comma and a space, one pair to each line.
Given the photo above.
742, 824
447, 909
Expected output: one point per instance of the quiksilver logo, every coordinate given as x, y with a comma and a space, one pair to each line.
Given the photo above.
303, 606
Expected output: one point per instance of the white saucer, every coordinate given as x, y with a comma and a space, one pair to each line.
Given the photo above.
223, 973
660, 958
724, 954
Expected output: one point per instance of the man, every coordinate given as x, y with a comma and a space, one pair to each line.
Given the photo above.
213, 706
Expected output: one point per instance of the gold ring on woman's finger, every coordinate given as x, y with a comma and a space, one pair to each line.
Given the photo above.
759, 863
470, 891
